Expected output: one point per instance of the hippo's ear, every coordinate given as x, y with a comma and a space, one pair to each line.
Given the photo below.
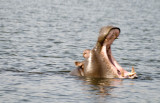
78, 63
86, 53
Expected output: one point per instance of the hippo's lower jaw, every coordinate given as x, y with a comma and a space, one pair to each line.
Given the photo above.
117, 69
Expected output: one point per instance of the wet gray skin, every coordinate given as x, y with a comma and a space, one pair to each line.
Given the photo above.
99, 62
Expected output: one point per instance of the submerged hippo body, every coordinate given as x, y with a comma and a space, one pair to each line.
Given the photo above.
99, 61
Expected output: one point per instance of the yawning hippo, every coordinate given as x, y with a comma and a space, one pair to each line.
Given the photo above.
99, 62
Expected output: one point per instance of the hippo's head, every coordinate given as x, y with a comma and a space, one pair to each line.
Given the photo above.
99, 62
106, 37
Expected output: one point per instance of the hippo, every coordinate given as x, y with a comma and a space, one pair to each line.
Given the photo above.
99, 62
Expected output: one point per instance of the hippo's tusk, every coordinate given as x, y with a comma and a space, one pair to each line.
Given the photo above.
132, 71
122, 73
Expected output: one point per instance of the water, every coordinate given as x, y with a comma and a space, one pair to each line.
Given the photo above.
41, 39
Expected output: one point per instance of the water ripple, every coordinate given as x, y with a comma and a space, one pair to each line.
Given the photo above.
40, 40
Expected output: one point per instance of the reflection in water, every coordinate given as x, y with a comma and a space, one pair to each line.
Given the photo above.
101, 86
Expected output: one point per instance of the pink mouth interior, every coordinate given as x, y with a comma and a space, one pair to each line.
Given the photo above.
106, 51
117, 67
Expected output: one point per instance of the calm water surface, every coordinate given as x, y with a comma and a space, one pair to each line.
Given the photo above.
41, 39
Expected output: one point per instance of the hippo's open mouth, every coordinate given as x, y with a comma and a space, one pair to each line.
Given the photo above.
99, 62
106, 52
117, 68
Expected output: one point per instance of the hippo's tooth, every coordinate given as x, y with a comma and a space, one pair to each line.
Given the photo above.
122, 73
132, 71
